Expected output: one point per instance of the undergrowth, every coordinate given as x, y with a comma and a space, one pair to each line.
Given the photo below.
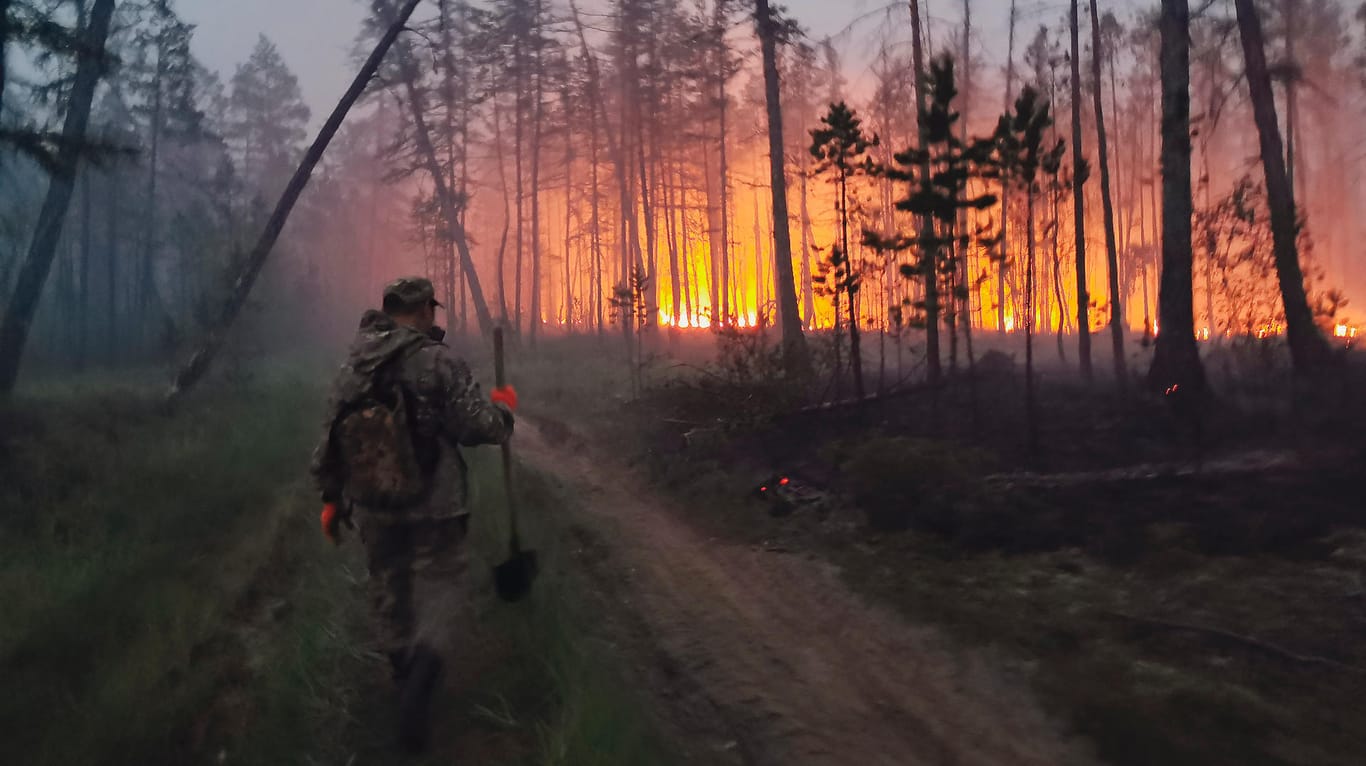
169, 600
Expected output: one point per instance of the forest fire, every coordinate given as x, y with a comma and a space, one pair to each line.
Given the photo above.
537, 201
819, 344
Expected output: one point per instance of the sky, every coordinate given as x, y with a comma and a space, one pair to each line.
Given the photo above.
315, 36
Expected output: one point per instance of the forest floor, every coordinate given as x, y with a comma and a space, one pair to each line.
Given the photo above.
730, 577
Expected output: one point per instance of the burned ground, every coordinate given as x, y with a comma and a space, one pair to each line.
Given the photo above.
1174, 596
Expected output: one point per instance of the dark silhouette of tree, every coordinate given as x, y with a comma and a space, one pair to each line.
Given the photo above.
1111, 247
1022, 152
937, 175
267, 118
1176, 360
1080, 173
795, 355
194, 370
1308, 348
35, 32
28, 288
840, 148
933, 364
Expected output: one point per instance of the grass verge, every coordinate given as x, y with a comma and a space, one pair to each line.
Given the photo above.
169, 600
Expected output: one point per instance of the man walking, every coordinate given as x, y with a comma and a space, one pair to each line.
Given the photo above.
400, 408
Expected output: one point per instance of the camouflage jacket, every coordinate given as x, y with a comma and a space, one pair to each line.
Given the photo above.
448, 411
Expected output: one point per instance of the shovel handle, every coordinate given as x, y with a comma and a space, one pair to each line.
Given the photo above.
499, 369
500, 380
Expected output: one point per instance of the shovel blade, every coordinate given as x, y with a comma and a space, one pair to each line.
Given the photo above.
512, 578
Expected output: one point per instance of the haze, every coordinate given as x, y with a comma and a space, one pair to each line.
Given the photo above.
315, 36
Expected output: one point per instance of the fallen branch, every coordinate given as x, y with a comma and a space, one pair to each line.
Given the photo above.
891, 393
1239, 639
217, 336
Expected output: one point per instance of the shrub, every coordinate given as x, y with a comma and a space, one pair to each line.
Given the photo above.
904, 483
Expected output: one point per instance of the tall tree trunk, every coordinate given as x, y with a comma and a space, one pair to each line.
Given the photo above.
1309, 350
518, 128
683, 246
651, 234
929, 255
1111, 248
537, 118
449, 205
111, 267
722, 311
727, 308
1031, 403
504, 313
1291, 96
568, 101
616, 153
808, 290
1005, 186
1176, 360
1079, 204
147, 289
87, 235
1059, 298
464, 188
4, 46
237, 297
28, 287
595, 273
713, 212
965, 266
784, 286
757, 219
677, 288
454, 136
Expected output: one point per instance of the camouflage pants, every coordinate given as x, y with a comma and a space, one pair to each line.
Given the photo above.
418, 589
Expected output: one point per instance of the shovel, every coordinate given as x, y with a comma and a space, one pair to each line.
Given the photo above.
512, 578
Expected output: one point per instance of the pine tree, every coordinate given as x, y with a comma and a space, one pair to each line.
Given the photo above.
840, 148
267, 118
1022, 152
937, 174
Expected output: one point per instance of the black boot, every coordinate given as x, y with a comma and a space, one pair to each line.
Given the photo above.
414, 704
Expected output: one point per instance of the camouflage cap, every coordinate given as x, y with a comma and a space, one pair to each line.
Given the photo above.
410, 293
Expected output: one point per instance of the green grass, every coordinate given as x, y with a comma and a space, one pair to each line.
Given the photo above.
168, 599
537, 688
127, 538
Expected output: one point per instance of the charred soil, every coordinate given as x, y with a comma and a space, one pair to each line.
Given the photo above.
858, 582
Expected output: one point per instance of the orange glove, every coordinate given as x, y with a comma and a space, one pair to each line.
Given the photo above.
506, 396
330, 522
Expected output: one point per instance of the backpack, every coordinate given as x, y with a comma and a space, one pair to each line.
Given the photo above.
376, 444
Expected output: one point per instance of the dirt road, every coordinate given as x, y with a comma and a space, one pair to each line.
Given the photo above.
766, 658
